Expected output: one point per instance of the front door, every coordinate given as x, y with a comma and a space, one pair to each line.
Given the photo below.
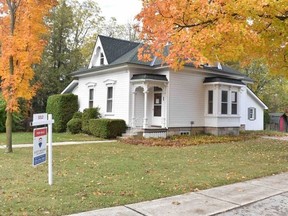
157, 107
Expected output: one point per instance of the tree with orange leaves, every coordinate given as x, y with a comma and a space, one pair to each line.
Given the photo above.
203, 31
22, 31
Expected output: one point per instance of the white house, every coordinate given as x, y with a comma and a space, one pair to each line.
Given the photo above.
154, 99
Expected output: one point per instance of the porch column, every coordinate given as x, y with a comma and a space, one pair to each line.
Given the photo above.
145, 119
133, 123
164, 107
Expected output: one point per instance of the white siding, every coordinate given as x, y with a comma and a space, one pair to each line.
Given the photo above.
249, 101
185, 97
120, 94
186, 101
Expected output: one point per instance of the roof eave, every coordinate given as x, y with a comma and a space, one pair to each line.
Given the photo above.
70, 87
109, 68
257, 99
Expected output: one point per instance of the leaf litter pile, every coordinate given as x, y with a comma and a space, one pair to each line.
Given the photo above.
181, 141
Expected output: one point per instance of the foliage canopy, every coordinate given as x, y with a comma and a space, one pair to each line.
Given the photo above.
22, 31
202, 31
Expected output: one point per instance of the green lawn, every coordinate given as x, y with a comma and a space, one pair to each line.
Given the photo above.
88, 177
27, 138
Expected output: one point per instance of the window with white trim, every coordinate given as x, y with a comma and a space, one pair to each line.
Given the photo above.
91, 97
110, 95
91, 92
224, 102
251, 113
109, 99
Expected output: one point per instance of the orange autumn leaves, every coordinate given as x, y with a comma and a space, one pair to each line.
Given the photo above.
202, 31
22, 33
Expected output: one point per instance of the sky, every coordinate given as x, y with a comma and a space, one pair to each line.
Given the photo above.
123, 10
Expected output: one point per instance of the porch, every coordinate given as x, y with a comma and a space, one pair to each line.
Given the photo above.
149, 103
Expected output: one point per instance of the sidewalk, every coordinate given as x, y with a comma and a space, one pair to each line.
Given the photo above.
60, 143
263, 196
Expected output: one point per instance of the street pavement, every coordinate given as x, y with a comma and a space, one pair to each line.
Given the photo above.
263, 196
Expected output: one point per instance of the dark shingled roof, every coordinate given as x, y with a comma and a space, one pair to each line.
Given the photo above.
115, 48
119, 52
227, 71
222, 79
149, 76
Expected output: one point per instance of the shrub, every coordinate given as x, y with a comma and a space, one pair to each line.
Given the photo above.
2, 115
89, 113
77, 115
107, 128
266, 118
16, 121
62, 108
74, 125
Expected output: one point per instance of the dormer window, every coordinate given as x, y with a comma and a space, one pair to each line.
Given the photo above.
101, 58
98, 58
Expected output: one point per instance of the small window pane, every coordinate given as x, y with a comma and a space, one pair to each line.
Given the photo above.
224, 104
224, 109
234, 97
110, 93
109, 106
157, 111
224, 96
210, 102
234, 103
90, 104
101, 59
91, 94
157, 98
234, 109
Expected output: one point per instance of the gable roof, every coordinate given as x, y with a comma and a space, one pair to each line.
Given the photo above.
115, 48
120, 52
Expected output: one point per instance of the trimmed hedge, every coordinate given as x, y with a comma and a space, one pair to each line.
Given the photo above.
107, 128
89, 113
62, 108
77, 115
74, 125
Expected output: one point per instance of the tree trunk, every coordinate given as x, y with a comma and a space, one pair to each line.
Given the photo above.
12, 8
9, 132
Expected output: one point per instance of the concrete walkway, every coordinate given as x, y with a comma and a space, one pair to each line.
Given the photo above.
60, 143
283, 138
263, 196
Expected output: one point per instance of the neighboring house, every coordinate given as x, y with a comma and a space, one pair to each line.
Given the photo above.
153, 98
278, 122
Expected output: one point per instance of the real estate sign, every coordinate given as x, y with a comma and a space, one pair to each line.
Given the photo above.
39, 146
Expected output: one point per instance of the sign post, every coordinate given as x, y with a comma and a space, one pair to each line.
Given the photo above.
50, 169
41, 119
